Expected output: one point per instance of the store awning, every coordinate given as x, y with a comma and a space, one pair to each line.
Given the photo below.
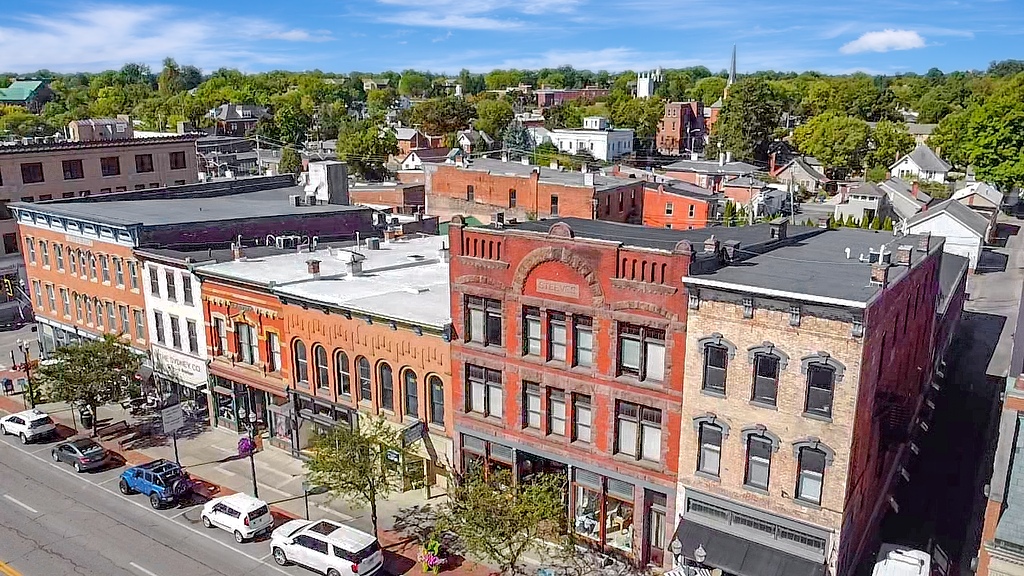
741, 557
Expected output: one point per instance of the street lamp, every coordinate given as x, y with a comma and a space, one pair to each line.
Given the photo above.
24, 347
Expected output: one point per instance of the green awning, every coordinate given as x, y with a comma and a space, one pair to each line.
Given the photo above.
468, 221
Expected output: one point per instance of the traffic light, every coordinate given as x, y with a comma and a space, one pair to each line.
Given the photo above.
9, 287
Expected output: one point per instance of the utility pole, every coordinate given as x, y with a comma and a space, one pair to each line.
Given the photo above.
24, 347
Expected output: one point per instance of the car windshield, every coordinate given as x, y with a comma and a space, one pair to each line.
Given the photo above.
259, 512
40, 422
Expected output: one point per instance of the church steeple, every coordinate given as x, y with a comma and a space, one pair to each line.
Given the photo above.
732, 68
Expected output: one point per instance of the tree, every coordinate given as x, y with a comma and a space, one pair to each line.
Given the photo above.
91, 373
358, 464
493, 116
517, 141
876, 174
887, 225
566, 115
891, 141
994, 141
413, 84
708, 90
851, 222
747, 121
290, 162
865, 222
729, 215
378, 102
169, 80
366, 146
439, 116
839, 142
876, 223
950, 136
500, 520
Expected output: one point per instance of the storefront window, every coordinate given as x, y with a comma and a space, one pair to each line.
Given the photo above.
618, 528
225, 406
588, 513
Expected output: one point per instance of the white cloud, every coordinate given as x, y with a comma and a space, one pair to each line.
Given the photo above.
437, 20
105, 36
443, 38
611, 59
884, 41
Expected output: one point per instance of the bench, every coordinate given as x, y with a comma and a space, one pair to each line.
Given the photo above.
114, 429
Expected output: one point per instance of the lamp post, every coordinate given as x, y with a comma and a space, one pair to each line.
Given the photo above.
24, 347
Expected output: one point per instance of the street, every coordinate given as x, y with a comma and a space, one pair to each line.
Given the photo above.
55, 522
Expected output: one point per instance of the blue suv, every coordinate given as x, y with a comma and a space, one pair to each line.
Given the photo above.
164, 481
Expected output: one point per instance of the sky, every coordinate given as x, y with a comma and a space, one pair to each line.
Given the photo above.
833, 37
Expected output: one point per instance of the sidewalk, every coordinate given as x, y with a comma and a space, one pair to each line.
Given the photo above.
211, 455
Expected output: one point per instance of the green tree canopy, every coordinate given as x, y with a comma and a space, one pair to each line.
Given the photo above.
891, 141
748, 119
439, 116
366, 146
839, 142
492, 116
566, 115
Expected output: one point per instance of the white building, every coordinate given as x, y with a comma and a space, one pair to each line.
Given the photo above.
596, 137
177, 334
965, 230
647, 82
921, 164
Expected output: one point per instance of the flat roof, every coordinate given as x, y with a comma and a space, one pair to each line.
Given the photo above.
36, 147
405, 280
651, 237
170, 211
547, 175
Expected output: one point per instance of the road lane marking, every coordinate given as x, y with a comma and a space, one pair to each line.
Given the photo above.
224, 471
141, 569
20, 503
102, 482
8, 570
149, 510
182, 513
272, 489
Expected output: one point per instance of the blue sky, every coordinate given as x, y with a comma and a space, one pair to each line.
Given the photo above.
447, 35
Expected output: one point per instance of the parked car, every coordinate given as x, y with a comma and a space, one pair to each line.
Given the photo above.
242, 515
164, 481
28, 425
83, 454
326, 547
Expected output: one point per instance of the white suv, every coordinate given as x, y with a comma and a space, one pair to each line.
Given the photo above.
242, 515
28, 425
326, 547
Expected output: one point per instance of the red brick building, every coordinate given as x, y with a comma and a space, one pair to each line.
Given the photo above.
567, 358
483, 188
681, 130
681, 206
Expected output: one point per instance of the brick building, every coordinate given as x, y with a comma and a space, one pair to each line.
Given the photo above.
483, 188
708, 173
568, 357
681, 130
316, 339
808, 358
401, 198
547, 97
681, 206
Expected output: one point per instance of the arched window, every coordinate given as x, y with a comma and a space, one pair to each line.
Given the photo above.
99, 311
387, 388
343, 379
301, 364
323, 370
73, 260
412, 396
92, 265
364, 379
436, 388
82, 261
78, 307
88, 310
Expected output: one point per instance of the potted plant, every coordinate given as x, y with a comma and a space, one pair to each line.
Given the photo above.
430, 556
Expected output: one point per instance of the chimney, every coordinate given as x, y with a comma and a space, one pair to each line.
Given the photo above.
313, 267
903, 254
915, 190
880, 274
771, 163
504, 156
823, 223
525, 161
237, 250
778, 228
588, 179
355, 265
553, 165
924, 242
732, 248
721, 159
711, 244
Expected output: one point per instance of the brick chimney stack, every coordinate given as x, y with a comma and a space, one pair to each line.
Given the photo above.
903, 255
924, 242
711, 244
916, 190
313, 267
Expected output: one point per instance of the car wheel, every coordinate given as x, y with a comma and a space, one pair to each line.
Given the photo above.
24, 439
78, 467
333, 572
238, 537
279, 557
154, 501
124, 487
206, 522
53, 454
3, 431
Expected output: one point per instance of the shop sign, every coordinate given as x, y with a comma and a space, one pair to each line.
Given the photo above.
393, 455
179, 366
173, 418
413, 433
554, 288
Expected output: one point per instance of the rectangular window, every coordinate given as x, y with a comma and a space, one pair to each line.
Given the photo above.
554, 205
172, 291
766, 378
759, 461
105, 267
709, 459
484, 317
154, 281
220, 335
111, 317
58, 252
531, 331
512, 198
38, 291
531, 405
556, 336
65, 302
125, 325
186, 288
582, 418
92, 265
32, 172
642, 352
638, 431
119, 271
692, 209
820, 381
556, 411
583, 341
716, 359
178, 161
110, 166
88, 310
158, 325
484, 392
274, 345
31, 243
140, 325
143, 163
668, 209
133, 274
175, 332
10, 242
50, 298
470, 195
44, 252
73, 169
247, 343
78, 308
812, 471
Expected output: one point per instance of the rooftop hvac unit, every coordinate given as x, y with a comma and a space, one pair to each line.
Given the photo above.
295, 200
373, 243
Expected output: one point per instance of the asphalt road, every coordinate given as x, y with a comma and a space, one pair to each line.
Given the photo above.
54, 522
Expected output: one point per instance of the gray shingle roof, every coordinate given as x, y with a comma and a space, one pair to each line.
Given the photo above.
901, 196
712, 167
230, 112
405, 133
926, 159
972, 220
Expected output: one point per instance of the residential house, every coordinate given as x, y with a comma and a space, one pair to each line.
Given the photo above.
965, 230
548, 97
97, 129
596, 138
802, 392
922, 164
376, 84
743, 190
415, 159
984, 199
500, 191
236, 119
802, 172
681, 130
866, 200
474, 141
410, 139
29, 94
906, 198
220, 155
681, 206
709, 173
711, 114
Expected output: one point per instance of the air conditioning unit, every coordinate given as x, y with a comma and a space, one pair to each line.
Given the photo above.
295, 200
